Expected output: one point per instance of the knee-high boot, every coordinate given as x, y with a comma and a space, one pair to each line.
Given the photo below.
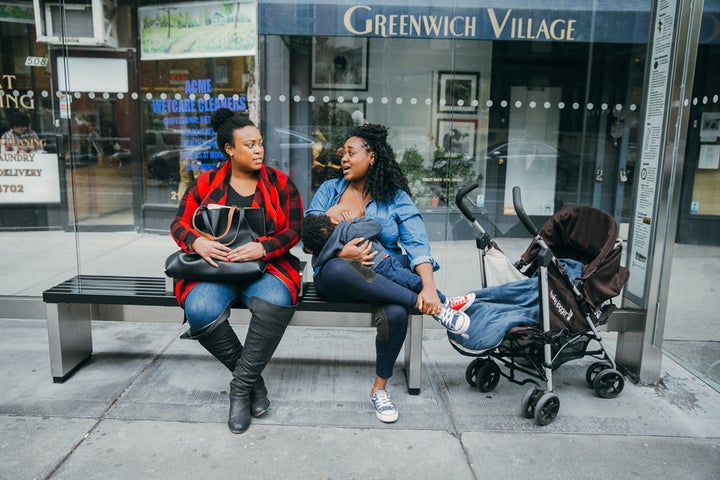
267, 326
220, 340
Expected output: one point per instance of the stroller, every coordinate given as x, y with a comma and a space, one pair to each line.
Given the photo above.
541, 312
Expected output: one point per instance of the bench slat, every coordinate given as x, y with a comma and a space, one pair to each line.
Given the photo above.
102, 289
111, 290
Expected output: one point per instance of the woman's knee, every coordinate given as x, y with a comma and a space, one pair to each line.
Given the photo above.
206, 302
203, 311
397, 317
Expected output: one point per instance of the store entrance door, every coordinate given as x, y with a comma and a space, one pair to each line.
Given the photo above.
100, 162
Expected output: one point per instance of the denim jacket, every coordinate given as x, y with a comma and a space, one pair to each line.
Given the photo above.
402, 223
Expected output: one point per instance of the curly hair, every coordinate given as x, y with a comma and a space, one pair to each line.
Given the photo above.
384, 178
315, 231
224, 122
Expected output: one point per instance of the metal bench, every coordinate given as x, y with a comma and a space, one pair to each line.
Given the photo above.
74, 303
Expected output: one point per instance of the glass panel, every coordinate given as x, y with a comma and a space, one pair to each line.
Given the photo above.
558, 119
177, 101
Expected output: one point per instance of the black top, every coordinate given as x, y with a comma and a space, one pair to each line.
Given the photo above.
234, 198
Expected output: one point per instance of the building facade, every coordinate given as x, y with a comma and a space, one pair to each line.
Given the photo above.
544, 95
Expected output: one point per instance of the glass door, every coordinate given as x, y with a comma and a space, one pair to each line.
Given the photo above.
98, 152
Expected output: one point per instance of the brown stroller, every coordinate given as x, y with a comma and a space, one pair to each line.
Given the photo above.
544, 310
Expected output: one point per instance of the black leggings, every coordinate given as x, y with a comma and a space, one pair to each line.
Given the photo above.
340, 280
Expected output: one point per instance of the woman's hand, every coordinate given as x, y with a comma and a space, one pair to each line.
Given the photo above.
245, 253
209, 249
360, 250
428, 299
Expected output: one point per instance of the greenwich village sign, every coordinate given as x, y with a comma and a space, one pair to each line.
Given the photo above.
621, 21
361, 20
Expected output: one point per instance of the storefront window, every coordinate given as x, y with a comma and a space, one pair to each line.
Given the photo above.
178, 98
495, 96
525, 93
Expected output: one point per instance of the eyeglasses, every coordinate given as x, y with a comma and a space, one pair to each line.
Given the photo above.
341, 152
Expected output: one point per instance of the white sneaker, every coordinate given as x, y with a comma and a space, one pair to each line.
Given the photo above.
385, 411
455, 322
460, 304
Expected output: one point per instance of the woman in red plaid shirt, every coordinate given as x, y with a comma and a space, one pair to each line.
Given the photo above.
244, 181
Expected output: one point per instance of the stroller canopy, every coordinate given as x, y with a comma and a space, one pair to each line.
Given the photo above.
589, 236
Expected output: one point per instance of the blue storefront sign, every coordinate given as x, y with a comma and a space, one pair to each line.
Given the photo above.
601, 21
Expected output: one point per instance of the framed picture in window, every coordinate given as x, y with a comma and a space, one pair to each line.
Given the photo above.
340, 63
457, 91
456, 137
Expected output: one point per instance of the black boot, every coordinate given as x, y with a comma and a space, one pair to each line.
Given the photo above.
220, 340
259, 402
267, 326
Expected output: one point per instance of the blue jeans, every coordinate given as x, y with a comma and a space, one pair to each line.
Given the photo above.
209, 300
398, 270
338, 281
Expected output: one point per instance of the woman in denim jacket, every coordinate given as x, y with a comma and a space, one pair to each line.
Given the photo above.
373, 185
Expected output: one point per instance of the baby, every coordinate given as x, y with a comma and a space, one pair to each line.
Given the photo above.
324, 237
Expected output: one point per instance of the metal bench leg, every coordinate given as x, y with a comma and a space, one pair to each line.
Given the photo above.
413, 354
69, 337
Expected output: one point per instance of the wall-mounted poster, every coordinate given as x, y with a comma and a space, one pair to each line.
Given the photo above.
17, 12
340, 63
710, 126
457, 91
198, 30
457, 136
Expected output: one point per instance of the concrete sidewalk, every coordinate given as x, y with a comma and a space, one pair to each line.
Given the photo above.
149, 405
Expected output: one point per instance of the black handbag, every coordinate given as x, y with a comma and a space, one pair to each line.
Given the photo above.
231, 226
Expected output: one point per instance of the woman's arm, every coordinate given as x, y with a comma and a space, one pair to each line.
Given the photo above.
288, 235
187, 238
428, 299
181, 228
412, 235
414, 240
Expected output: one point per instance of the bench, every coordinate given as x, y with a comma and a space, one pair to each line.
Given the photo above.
74, 303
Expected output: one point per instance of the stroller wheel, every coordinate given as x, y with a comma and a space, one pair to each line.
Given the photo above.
487, 376
609, 383
593, 370
527, 406
547, 408
471, 370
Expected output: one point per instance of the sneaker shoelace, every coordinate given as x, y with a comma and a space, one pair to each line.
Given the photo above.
382, 401
447, 318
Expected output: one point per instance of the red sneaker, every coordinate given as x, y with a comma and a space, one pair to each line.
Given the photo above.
460, 304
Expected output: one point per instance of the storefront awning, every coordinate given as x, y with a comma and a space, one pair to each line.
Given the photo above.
601, 21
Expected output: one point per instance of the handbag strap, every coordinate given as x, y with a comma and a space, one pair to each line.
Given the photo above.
203, 212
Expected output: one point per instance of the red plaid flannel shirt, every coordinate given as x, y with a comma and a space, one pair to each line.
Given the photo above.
276, 195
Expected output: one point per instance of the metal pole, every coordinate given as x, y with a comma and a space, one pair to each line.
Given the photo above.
652, 235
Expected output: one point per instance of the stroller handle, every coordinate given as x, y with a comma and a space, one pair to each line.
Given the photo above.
460, 196
520, 212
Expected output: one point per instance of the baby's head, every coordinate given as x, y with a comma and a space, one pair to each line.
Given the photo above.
316, 229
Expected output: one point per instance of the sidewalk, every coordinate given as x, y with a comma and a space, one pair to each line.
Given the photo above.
149, 405
152, 406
